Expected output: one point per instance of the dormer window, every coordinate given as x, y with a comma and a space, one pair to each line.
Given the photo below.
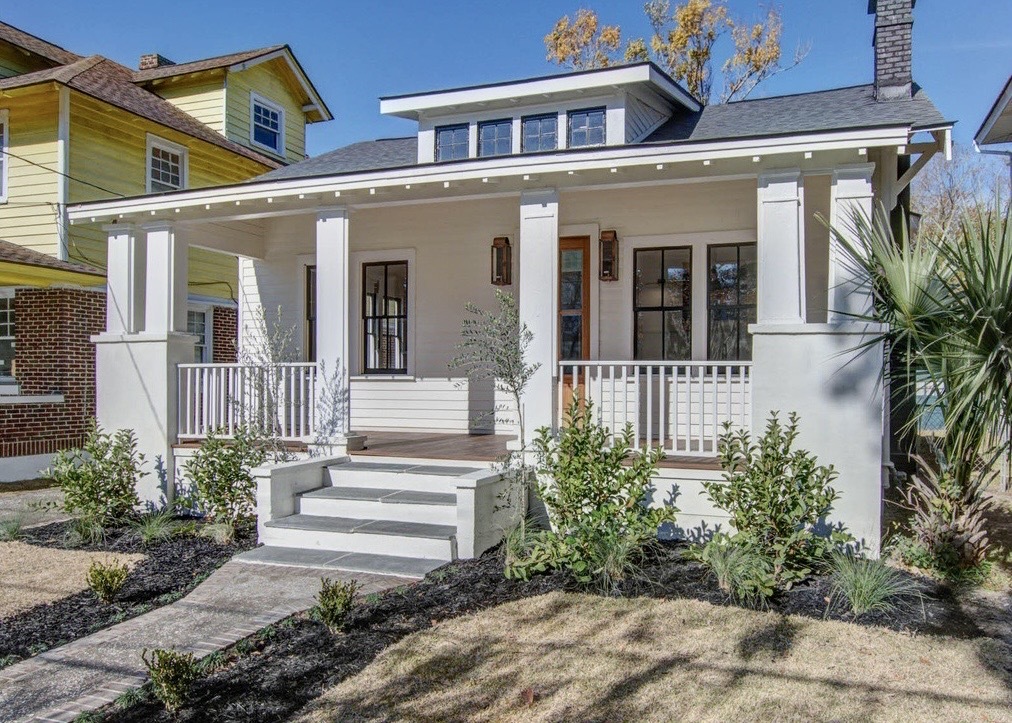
452, 142
540, 133
586, 127
267, 124
495, 138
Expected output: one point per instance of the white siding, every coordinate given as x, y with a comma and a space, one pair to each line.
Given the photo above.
640, 119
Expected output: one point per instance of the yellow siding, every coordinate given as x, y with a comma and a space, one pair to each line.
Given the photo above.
28, 217
14, 61
108, 147
271, 80
202, 97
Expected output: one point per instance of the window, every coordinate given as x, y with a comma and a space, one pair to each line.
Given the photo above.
267, 124
311, 313
662, 304
731, 301
385, 317
495, 138
166, 165
4, 130
586, 127
198, 324
6, 335
540, 133
451, 142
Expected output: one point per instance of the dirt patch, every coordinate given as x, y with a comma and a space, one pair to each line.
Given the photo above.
567, 656
30, 507
166, 573
28, 484
31, 576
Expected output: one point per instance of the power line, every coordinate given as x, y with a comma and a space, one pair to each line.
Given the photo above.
61, 173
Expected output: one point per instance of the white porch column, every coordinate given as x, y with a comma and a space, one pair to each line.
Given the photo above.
851, 191
539, 273
136, 374
125, 279
333, 392
781, 247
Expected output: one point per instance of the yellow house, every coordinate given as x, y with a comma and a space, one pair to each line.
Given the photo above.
76, 129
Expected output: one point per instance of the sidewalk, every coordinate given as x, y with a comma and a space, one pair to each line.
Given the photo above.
236, 601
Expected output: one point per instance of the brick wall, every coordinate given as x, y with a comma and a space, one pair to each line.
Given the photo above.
54, 354
894, 20
225, 334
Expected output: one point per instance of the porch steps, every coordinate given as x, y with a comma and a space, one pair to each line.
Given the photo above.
340, 561
438, 508
384, 537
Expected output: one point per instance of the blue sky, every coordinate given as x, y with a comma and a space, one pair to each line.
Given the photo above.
358, 51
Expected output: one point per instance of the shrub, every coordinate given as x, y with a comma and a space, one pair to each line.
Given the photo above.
596, 502
99, 480
333, 602
107, 579
172, 673
10, 529
743, 573
776, 497
155, 527
84, 532
222, 533
222, 475
869, 585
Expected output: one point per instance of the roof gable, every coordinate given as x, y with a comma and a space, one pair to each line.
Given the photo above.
36, 45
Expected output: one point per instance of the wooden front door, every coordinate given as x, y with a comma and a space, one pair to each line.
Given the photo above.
574, 310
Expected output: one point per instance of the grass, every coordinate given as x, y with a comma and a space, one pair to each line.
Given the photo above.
10, 528
566, 656
155, 527
870, 586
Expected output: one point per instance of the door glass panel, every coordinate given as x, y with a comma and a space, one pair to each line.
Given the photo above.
649, 334
677, 336
649, 279
662, 300
571, 342
677, 278
571, 288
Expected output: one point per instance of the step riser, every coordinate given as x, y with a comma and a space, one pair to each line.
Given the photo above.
392, 481
360, 542
372, 510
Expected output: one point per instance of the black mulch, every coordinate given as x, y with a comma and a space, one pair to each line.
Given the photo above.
170, 570
272, 675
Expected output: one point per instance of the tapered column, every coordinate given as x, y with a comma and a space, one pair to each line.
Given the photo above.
539, 273
125, 279
851, 193
333, 419
781, 247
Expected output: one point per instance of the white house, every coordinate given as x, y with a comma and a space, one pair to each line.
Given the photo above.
667, 258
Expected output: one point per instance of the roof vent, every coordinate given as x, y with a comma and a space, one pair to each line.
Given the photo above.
894, 23
153, 60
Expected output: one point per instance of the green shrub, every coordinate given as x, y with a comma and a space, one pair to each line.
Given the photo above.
776, 496
99, 480
107, 579
155, 527
744, 574
84, 532
866, 586
595, 492
221, 532
333, 602
222, 475
10, 529
172, 673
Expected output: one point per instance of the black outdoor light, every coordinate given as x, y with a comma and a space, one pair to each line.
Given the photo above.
502, 261
609, 256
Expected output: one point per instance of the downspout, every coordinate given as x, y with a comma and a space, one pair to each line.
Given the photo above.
63, 179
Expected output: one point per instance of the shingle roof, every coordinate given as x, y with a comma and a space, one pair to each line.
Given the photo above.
29, 42
196, 66
821, 111
112, 83
13, 253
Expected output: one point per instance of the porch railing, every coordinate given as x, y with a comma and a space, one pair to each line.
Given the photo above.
679, 406
225, 396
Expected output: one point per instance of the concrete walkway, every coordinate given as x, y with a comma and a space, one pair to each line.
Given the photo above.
234, 602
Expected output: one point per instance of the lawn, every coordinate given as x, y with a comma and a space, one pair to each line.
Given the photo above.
572, 656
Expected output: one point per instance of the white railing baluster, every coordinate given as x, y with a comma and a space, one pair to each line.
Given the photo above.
648, 442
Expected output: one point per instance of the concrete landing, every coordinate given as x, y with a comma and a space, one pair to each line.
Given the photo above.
407, 567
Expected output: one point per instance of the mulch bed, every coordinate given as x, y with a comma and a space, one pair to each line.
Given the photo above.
273, 674
169, 571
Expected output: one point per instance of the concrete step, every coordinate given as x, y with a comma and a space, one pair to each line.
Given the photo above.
440, 478
340, 561
376, 537
377, 503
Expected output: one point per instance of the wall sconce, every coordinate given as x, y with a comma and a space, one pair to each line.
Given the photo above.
609, 256
502, 261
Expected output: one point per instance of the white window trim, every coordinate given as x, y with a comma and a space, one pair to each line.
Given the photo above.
8, 293
184, 160
254, 99
5, 142
357, 259
208, 311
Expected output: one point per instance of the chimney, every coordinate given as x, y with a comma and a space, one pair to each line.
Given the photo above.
153, 60
894, 23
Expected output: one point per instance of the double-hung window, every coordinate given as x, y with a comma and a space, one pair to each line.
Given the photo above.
495, 138
167, 165
731, 301
198, 324
311, 313
267, 124
662, 304
385, 317
6, 333
540, 133
452, 142
586, 127
4, 145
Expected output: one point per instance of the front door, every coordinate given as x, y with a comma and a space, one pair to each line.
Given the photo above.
574, 310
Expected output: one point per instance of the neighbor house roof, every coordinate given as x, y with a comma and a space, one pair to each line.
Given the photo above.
44, 269
997, 125
821, 111
36, 45
112, 83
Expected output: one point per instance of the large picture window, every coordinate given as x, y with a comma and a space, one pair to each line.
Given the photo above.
385, 317
662, 304
731, 301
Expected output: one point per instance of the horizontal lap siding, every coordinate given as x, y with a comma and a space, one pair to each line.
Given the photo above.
203, 98
270, 81
28, 217
437, 405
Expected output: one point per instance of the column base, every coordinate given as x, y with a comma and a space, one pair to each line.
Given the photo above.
353, 442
